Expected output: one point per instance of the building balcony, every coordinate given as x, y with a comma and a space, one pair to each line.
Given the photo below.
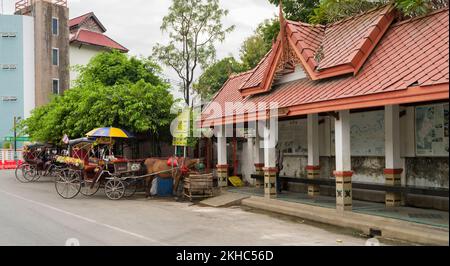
23, 4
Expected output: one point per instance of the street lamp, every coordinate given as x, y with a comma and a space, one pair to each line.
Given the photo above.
16, 120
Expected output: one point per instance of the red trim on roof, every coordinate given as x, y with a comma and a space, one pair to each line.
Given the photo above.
344, 47
409, 65
75, 22
97, 39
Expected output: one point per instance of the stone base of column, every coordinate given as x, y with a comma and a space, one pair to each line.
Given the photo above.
313, 173
259, 170
270, 182
393, 177
222, 175
344, 195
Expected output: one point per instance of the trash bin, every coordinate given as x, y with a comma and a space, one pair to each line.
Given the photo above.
165, 187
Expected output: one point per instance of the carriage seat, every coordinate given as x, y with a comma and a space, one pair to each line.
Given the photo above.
89, 171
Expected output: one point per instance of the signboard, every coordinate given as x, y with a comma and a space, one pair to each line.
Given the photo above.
20, 139
432, 130
181, 131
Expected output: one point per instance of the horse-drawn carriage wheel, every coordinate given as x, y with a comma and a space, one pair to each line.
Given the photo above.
68, 184
26, 173
88, 188
130, 188
115, 189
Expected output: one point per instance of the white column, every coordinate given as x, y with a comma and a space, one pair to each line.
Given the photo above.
392, 137
343, 162
313, 140
222, 166
394, 164
343, 148
222, 150
259, 153
313, 167
270, 170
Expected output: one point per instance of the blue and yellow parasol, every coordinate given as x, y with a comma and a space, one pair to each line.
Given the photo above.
109, 132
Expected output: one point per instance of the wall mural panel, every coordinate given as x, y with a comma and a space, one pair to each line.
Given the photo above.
432, 133
293, 137
367, 134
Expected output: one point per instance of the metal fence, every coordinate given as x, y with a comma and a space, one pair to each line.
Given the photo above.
8, 155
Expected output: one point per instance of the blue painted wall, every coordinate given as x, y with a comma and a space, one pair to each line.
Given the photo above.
11, 81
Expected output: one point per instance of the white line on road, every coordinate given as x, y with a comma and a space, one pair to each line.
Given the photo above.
82, 218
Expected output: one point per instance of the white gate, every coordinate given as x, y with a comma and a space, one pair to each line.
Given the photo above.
8, 155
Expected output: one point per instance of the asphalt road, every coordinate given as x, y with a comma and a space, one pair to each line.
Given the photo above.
33, 214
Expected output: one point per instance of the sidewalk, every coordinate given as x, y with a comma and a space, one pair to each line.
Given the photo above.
415, 225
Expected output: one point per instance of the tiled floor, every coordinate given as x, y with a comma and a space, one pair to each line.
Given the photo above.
416, 215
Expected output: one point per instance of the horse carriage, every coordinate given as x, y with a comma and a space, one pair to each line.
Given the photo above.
92, 165
39, 161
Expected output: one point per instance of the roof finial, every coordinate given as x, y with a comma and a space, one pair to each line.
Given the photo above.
281, 13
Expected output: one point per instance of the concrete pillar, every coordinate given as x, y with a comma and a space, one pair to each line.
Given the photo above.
270, 169
343, 171
313, 168
394, 164
259, 159
222, 166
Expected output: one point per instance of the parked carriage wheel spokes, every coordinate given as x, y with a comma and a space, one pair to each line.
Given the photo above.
130, 188
26, 173
68, 184
89, 187
115, 189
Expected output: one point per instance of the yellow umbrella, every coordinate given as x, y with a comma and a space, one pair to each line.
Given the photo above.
109, 132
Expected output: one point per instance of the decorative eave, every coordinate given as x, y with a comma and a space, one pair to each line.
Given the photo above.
357, 58
289, 47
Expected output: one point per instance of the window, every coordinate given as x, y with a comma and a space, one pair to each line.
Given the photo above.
55, 86
55, 56
55, 24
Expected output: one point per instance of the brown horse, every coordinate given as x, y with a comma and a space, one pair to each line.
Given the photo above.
165, 171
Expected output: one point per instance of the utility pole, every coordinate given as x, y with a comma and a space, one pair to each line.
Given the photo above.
16, 120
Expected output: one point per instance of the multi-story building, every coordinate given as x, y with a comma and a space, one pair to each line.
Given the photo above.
17, 70
38, 46
51, 41
87, 39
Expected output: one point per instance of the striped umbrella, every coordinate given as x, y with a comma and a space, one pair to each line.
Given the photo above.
109, 132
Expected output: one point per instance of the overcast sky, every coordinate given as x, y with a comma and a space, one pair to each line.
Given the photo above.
135, 23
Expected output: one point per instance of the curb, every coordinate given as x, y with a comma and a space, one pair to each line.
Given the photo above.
390, 228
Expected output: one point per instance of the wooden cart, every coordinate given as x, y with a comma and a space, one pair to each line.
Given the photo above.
198, 186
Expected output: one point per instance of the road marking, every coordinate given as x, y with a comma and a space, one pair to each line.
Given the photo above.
82, 218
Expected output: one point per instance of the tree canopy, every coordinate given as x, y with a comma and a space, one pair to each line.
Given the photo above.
112, 90
215, 76
328, 11
194, 26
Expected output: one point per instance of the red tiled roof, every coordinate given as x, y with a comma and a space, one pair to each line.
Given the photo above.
343, 41
325, 51
409, 64
75, 22
97, 39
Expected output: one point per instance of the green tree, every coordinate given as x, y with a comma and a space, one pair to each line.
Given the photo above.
328, 11
141, 106
298, 10
121, 70
334, 10
194, 26
216, 75
256, 46
412, 8
253, 50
